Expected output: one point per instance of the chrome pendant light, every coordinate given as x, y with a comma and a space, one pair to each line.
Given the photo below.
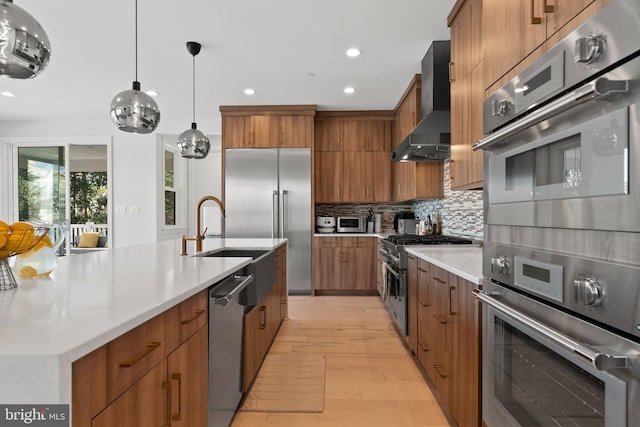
192, 143
133, 110
24, 45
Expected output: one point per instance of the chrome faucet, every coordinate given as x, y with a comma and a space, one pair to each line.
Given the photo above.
200, 236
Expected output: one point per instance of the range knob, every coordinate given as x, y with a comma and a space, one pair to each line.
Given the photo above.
589, 291
589, 49
500, 107
500, 265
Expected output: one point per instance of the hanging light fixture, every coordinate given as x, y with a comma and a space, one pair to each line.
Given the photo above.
192, 143
133, 110
24, 46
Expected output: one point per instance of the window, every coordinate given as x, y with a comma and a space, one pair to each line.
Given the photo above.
172, 189
169, 188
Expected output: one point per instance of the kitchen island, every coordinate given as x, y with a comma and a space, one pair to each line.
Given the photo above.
91, 299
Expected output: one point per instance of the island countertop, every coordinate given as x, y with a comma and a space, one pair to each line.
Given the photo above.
462, 260
88, 300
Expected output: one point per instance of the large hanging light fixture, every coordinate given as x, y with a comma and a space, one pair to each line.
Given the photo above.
24, 45
192, 143
133, 110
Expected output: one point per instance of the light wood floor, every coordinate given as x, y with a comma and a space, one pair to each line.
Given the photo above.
371, 380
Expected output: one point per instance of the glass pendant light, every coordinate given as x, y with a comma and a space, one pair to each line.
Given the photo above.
133, 110
192, 143
24, 46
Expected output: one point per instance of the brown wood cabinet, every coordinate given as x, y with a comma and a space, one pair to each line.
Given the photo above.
344, 265
515, 29
449, 339
268, 126
352, 157
413, 180
412, 303
261, 323
155, 374
467, 94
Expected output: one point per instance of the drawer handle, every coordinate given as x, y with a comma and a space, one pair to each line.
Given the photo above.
196, 314
422, 269
263, 321
437, 368
548, 8
422, 346
423, 303
167, 386
451, 311
451, 77
535, 20
176, 376
150, 347
439, 280
440, 319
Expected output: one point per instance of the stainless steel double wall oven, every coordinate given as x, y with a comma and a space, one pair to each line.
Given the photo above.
561, 263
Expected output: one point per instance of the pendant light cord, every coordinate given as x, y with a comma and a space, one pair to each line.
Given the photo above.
136, 38
194, 89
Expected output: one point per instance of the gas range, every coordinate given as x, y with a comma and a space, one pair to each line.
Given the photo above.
394, 245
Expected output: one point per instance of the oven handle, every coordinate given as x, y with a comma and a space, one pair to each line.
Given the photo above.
585, 353
592, 90
393, 271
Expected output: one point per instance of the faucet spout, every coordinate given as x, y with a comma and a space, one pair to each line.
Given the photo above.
199, 232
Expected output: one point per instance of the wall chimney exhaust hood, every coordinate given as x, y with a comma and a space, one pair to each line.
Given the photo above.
430, 141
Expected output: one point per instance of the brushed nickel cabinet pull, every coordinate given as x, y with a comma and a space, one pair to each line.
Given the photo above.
176, 376
196, 314
451, 77
548, 8
150, 347
440, 319
437, 368
167, 386
535, 20
439, 280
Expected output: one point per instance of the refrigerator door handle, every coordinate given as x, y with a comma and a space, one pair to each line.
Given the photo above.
283, 214
274, 215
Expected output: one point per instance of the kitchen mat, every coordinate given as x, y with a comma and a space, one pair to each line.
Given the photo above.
288, 383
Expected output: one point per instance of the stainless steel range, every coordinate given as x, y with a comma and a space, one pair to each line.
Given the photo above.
561, 265
393, 251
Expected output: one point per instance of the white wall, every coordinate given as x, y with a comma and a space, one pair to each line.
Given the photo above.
135, 171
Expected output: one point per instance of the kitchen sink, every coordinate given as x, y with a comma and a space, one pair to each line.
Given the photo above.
263, 267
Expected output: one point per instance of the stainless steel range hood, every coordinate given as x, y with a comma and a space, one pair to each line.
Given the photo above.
430, 141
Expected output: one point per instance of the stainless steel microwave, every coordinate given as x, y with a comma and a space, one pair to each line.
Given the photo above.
351, 224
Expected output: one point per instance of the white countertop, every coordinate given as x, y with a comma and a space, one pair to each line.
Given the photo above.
380, 235
461, 260
90, 299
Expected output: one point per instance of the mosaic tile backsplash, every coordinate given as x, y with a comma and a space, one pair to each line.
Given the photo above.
461, 211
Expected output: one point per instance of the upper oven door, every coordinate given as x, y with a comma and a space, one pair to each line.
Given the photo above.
573, 162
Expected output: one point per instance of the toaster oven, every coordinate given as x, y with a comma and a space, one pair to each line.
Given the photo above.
351, 224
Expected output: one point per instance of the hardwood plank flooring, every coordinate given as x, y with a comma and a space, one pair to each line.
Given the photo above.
371, 379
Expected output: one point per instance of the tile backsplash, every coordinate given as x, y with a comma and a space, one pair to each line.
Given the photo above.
461, 211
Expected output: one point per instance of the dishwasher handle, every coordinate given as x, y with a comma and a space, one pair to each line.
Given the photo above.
226, 299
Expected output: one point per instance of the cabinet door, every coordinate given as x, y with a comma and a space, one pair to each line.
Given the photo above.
357, 268
144, 404
511, 30
296, 131
460, 133
380, 176
328, 135
355, 177
264, 131
236, 132
350, 136
253, 338
563, 12
187, 373
281, 274
327, 264
460, 48
328, 176
375, 134
467, 357
412, 303
407, 114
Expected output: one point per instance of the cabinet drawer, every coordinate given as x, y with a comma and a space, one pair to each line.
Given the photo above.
439, 279
185, 319
133, 354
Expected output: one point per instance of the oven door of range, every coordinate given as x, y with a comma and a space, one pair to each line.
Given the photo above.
573, 162
535, 376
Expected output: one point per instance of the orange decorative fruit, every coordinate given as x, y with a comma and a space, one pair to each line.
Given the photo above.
27, 272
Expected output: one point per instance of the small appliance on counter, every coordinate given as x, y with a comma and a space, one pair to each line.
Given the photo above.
352, 224
402, 215
407, 226
325, 224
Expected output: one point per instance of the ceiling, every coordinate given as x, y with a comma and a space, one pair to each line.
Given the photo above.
289, 51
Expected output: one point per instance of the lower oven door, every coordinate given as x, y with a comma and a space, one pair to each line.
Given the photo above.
396, 300
528, 380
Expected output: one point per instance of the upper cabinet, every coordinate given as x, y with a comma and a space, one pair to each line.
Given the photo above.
413, 180
353, 157
467, 93
515, 30
268, 127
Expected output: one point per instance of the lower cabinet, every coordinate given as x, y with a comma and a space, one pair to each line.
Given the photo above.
449, 339
344, 265
155, 374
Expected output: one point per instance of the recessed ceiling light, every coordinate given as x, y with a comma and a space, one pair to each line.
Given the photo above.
151, 92
249, 91
349, 90
353, 52
8, 94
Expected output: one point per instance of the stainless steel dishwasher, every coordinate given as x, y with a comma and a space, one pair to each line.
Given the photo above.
225, 348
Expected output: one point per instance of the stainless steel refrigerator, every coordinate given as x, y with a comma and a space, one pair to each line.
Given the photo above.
268, 194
